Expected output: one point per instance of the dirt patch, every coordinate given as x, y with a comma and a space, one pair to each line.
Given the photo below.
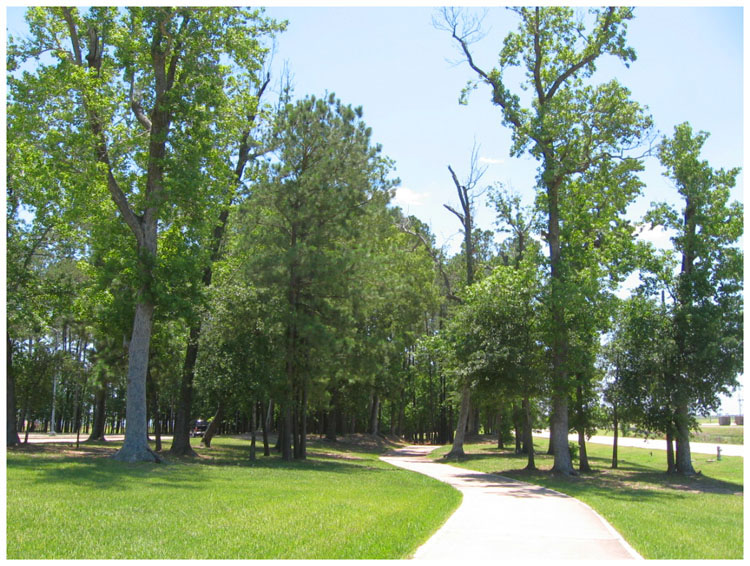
336, 456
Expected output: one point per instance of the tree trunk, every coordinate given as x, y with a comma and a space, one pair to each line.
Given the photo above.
266, 426
135, 448
253, 420
181, 436
583, 459
616, 432
458, 441
670, 454
303, 423
155, 414
100, 416
10, 386
528, 439
500, 428
374, 410
550, 445
684, 464
213, 427
559, 436
286, 432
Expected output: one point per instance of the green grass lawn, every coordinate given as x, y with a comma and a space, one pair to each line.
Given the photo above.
712, 434
340, 503
661, 516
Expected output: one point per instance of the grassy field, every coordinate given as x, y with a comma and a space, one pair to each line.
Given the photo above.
661, 516
712, 434
340, 503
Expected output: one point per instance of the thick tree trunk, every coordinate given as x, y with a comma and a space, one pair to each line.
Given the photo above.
135, 448
560, 377
10, 385
670, 454
559, 436
551, 445
213, 427
458, 441
181, 437
100, 399
374, 412
684, 463
583, 459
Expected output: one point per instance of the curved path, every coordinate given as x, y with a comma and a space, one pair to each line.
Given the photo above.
503, 518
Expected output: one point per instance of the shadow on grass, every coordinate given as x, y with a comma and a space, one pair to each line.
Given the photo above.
634, 481
91, 465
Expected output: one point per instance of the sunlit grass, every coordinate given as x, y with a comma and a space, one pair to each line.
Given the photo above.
662, 516
338, 504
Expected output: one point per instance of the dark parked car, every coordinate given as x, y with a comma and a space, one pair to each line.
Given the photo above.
199, 428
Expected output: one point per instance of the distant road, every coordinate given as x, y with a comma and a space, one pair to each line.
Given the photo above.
653, 444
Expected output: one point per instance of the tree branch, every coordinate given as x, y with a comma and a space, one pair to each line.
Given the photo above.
584, 61
404, 226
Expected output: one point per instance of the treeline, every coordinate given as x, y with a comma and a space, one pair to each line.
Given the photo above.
183, 246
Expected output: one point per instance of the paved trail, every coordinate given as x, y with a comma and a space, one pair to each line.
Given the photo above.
502, 519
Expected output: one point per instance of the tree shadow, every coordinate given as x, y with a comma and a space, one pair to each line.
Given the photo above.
93, 466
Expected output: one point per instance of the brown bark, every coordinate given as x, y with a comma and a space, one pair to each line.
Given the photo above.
97, 429
213, 427
266, 427
528, 437
683, 461
374, 410
458, 441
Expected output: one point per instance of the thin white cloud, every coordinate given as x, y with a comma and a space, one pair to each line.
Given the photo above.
492, 160
659, 236
407, 197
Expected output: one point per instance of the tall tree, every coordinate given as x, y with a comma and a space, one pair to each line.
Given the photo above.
138, 84
707, 292
570, 125
466, 195
306, 218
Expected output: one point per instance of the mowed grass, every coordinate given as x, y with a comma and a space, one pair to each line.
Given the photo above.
340, 503
712, 434
662, 516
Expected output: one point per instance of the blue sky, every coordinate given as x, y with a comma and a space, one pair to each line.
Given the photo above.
407, 76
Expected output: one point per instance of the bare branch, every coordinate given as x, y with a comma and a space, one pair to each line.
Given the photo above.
404, 226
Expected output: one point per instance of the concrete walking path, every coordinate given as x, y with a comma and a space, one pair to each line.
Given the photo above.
500, 518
